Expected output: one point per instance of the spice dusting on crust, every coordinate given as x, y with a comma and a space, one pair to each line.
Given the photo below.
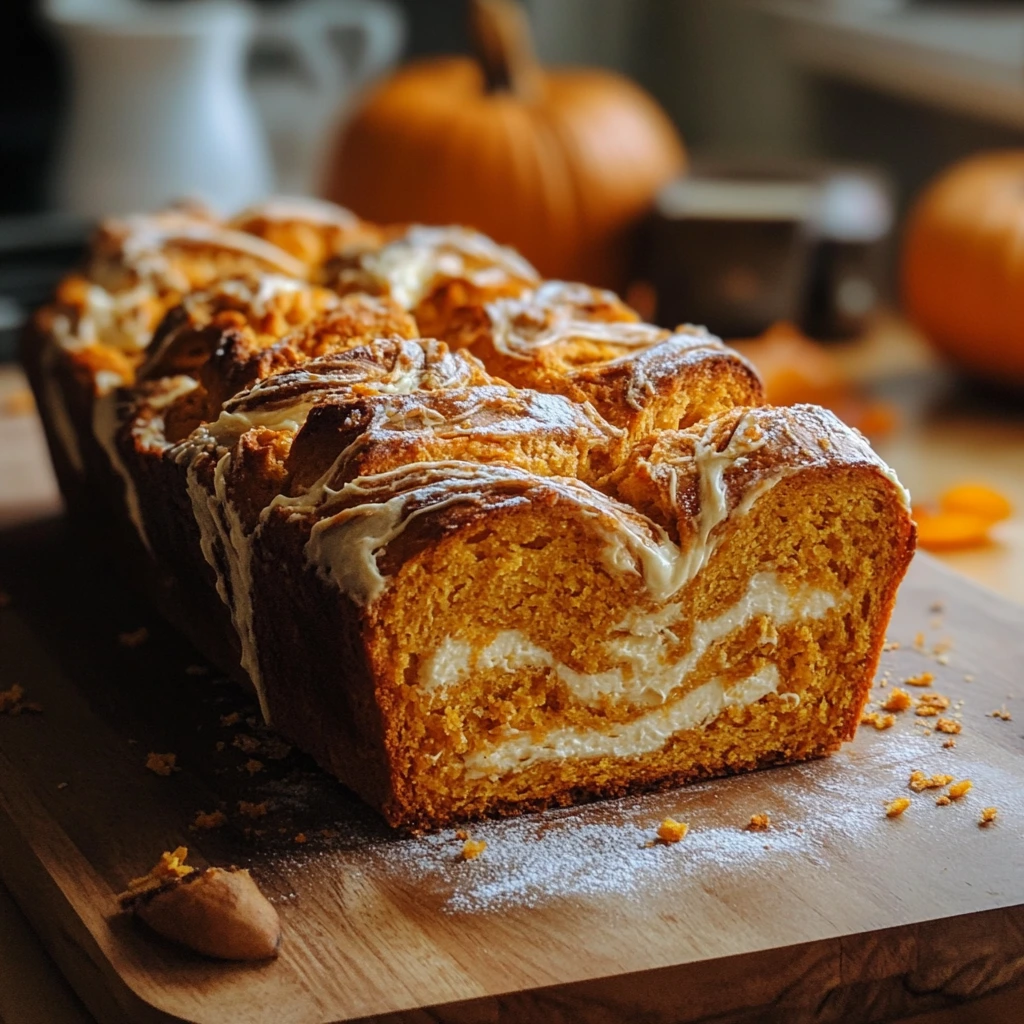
672, 831
162, 764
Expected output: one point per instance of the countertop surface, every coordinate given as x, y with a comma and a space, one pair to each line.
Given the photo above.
946, 434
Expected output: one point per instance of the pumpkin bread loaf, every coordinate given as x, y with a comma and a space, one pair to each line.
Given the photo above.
479, 543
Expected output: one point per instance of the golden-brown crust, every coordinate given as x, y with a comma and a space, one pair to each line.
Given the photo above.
325, 471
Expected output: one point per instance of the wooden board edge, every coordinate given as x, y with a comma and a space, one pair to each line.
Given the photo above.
66, 936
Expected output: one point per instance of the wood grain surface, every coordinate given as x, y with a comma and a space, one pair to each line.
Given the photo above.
835, 913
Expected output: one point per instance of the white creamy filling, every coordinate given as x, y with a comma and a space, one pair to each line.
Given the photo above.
642, 674
649, 732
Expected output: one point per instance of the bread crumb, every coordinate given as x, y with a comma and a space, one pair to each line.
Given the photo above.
135, 638
968, 678
891, 645
759, 823
1002, 713
926, 711
461, 834
942, 659
162, 764
228, 720
920, 782
898, 700
170, 867
672, 831
472, 848
933, 700
919, 641
212, 820
252, 810
301, 838
949, 744
945, 644
879, 721
924, 679
948, 725
960, 789
896, 807
13, 703
252, 766
196, 670
936, 608
62, 785
943, 801
988, 816
246, 743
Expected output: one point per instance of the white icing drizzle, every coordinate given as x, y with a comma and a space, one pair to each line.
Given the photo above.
285, 209
640, 644
413, 264
650, 731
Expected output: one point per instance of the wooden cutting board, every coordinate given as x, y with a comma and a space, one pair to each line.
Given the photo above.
835, 913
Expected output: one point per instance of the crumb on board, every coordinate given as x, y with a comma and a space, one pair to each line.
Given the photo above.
13, 703
942, 801
461, 834
246, 743
943, 645
472, 848
921, 679
252, 766
933, 700
213, 819
920, 782
759, 823
891, 645
898, 700
162, 764
988, 816
896, 807
948, 725
250, 809
960, 789
878, 720
949, 744
919, 641
926, 711
196, 670
1003, 714
672, 831
300, 838
133, 638
936, 608
62, 785
228, 720
968, 678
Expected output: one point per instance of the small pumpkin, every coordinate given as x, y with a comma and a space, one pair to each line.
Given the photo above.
963, 265
558, 164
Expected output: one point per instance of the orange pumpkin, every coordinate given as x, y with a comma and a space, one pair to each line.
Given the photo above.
963, 265
558, 164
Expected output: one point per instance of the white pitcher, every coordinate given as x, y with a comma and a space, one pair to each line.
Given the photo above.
161, 108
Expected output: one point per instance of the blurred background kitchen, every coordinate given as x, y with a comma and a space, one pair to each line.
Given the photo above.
761, 181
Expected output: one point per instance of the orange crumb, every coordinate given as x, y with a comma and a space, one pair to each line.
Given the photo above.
926, 711
13, 703
976, 499
1002, 713
898, 700
462, 834
943, 801
246, 743
233, 719
879, 721
169, 867
988, 815
949, 744
924, 679
301, 838
919, 781
896, 807
759, 823
252, 810
948, 725
472, 848
136, 638
212, 820
252, 766
960, 789
672, 831
933, 700
919, 641
161, 764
